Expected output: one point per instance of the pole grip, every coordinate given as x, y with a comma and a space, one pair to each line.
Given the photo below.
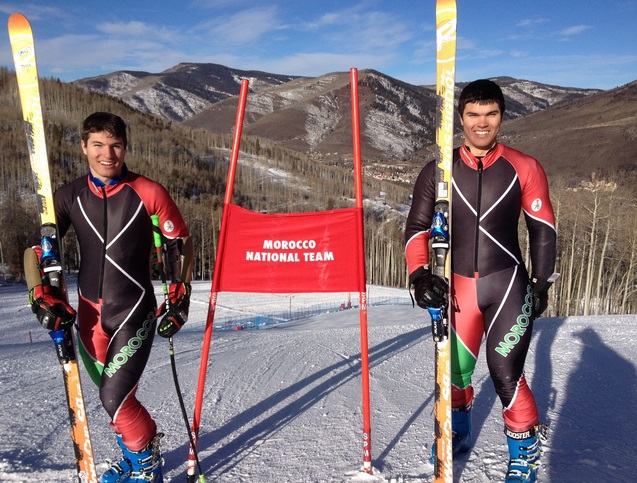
159, 248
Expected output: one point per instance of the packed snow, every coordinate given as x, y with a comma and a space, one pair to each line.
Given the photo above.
283, 403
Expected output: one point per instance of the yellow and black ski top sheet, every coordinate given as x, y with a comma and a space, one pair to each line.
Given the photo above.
23, 48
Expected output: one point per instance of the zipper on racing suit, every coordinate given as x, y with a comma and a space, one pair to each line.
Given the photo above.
478, 211
104, 242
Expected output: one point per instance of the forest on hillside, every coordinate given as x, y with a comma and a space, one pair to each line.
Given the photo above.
597, 233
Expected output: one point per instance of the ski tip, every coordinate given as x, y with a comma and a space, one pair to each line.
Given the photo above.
17, 21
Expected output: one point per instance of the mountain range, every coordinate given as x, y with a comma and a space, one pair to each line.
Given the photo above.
313, 115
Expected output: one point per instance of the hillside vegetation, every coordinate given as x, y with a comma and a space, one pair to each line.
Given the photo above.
593, 197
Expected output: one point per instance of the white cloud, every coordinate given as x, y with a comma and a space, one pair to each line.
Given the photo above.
317, 64
35, 12
138, 29
575, 30
245, 26
358, 28
530, 22
95, 53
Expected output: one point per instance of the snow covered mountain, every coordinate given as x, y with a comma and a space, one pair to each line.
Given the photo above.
181, 91
555, 124
308, 114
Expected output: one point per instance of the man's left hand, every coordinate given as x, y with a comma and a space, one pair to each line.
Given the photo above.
175, 309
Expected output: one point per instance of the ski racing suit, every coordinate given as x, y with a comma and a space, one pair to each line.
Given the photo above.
491, 294
117, 305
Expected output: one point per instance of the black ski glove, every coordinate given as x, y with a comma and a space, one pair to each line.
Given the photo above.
176, 309
53, 312
540, 296
429, 290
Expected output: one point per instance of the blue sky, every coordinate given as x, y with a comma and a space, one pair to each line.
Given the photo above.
576, 43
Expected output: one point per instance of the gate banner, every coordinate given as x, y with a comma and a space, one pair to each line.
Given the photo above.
292, 252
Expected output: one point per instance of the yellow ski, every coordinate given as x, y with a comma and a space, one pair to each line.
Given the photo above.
23, 49
446, 19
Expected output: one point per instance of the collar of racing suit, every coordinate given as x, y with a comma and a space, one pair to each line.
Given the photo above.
487, 160
98, 183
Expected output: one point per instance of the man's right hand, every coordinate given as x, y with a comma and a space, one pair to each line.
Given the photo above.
540, 296
429, 290
51, 311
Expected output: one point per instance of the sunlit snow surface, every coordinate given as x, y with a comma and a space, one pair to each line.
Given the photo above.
283, 404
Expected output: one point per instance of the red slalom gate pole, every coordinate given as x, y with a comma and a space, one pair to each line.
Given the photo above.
358, 186
216, 279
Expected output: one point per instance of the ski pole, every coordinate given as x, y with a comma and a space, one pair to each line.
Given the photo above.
160, 248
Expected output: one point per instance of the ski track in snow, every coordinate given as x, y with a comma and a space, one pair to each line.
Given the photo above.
284, 404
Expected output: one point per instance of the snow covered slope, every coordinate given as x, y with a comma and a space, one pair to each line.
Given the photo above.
284, 404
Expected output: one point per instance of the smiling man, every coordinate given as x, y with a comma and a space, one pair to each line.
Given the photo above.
492, 295
481, 124
105, 153
110, 211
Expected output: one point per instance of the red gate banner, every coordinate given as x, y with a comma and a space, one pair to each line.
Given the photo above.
292, 252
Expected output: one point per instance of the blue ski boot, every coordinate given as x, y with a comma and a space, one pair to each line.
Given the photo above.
460, 430
524, 454
137, 466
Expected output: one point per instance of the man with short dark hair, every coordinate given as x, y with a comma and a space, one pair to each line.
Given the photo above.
110, 211
492, 294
